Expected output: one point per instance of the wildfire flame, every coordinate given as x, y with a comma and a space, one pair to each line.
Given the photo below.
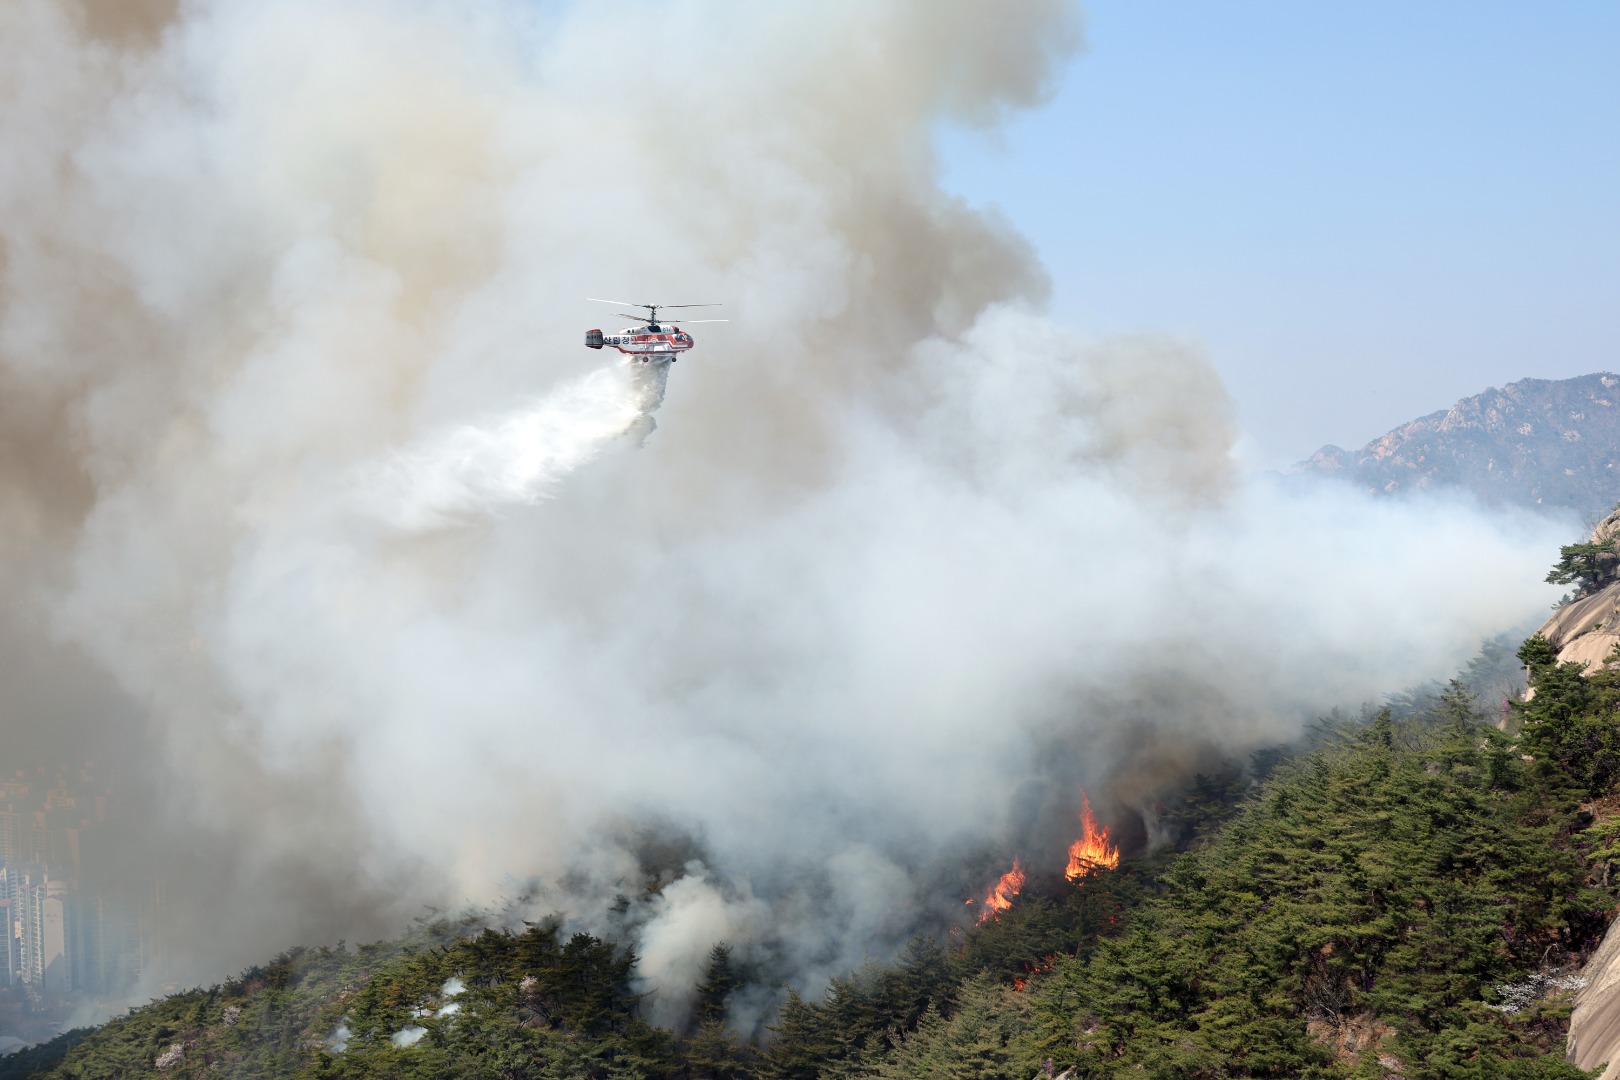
1093, 851
1001, 894
1045, 964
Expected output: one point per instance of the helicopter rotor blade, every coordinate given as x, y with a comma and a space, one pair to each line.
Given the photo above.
627, 303
694, 322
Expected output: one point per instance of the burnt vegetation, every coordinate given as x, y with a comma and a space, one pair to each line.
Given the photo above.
1406, 895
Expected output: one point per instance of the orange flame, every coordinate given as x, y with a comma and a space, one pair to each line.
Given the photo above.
1000, 896
1093, 851
1045, 964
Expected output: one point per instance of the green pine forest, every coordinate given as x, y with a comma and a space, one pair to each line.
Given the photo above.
1402, 894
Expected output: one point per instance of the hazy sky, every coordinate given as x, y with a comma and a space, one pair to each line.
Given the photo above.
1363, 211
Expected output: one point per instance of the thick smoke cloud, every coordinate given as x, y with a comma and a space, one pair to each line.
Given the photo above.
302, 450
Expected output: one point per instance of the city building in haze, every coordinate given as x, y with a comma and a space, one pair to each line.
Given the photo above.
71, 905
10, 931
41, 905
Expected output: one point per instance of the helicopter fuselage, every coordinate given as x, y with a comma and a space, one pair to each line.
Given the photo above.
646, 343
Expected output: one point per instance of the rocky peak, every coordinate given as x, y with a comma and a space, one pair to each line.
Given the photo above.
1547, 443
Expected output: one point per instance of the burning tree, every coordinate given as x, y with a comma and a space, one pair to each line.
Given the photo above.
1094, 851
1000, 896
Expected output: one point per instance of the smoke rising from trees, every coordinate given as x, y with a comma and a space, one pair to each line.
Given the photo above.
902, 565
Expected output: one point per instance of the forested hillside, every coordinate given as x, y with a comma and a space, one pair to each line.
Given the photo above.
1408, 897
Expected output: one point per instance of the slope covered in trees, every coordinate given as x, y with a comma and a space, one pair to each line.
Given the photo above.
1407, 898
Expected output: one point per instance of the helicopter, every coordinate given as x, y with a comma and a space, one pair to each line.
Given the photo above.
647, 340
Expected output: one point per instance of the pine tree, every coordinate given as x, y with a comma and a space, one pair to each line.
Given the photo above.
720, 979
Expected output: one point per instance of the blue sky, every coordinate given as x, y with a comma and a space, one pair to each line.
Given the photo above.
1362, 212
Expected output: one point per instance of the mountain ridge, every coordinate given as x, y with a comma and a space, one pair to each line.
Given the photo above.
1539, 443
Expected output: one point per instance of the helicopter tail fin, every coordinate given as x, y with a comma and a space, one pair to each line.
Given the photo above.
593, 339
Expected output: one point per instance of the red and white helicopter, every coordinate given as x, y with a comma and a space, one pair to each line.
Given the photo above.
649, 340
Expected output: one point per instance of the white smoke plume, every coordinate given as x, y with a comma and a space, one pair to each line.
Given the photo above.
518, 458
902, 565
